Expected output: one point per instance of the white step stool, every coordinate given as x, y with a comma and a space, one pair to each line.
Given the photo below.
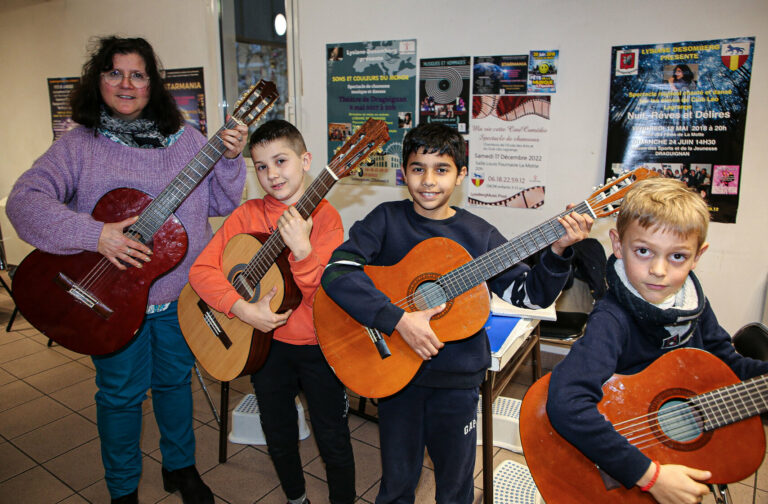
246, 424
513, 484
506, 423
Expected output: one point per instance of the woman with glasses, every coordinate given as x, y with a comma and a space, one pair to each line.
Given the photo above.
131, 134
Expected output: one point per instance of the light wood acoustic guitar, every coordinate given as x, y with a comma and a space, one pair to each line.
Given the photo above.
254, 264
687, 408
435, 271
85, 303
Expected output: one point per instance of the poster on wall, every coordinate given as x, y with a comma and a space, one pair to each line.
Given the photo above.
510, 130
680, 109
59, 89
444, 92
542, 71
494, 75
186, 87
372, 80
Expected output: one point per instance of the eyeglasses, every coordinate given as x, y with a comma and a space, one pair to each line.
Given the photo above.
115, 77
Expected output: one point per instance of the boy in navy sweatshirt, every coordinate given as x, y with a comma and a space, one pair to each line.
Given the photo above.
438, 409
654, 304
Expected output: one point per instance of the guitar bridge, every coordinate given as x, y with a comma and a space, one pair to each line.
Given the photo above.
213, 324
83, 296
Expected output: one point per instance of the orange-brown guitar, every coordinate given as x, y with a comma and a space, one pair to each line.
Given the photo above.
687, 408
228, 347
435, 271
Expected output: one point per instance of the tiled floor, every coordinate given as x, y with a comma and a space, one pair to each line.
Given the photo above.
49, 447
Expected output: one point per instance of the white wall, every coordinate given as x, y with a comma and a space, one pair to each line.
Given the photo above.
733, 271
47, 38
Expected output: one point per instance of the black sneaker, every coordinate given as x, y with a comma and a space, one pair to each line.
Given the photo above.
131, 498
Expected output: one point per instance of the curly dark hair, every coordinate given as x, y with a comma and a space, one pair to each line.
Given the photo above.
687, 73
86, 100
435, 138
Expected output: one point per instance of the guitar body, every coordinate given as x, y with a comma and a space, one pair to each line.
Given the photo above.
346, 344
244, 349
49, 307
563, 475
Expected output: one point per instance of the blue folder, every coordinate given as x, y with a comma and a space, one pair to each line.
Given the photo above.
498, 329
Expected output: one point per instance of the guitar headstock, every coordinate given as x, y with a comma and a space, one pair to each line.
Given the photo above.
606, 200
255, 102
359, 147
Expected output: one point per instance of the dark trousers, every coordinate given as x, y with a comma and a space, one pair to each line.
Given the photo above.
288, 368
442, 420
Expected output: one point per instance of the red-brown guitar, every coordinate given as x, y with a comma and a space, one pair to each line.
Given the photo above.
228, 347
435, 271
687, 408
82, 301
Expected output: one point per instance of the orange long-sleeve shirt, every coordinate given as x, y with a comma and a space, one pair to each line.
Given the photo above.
260, 216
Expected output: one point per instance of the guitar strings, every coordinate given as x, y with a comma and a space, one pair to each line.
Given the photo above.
467, 275
699, 414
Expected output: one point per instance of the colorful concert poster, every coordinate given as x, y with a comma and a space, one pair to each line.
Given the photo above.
510, 139
59, 89
542, 71
186, 87
680, 109
444, 92
500, 75
372, 80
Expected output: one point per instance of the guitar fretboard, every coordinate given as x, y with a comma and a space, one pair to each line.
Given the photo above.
174, 194
730, 404
503, 257
274, 245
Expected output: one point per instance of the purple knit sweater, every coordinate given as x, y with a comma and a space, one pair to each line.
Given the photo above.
51, 203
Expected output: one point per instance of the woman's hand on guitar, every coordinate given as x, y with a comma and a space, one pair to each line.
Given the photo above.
234, 140
577, 227
295, 232
679, 484
259, 315
116, 247
415, 330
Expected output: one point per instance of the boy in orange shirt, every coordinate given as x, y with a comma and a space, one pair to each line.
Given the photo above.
281, 159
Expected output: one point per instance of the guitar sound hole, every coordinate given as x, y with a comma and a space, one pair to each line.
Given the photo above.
679, 421
429, 295
243, 286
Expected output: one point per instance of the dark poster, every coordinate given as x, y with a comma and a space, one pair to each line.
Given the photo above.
680, 109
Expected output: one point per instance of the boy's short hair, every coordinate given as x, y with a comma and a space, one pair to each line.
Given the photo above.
435, 138
276, 129
665, 203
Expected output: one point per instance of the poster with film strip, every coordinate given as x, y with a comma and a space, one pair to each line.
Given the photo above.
444, 92
509, 135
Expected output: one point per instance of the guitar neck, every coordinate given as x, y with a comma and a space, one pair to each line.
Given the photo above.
505, 256
181, 186
274, 245
730, 404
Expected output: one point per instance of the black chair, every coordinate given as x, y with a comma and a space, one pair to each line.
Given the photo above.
752, 341
4, 266
589, 265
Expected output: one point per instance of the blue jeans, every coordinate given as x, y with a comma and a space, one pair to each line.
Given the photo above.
157, 358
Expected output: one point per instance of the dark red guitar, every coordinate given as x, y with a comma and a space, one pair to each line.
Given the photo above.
82, 301
687, 408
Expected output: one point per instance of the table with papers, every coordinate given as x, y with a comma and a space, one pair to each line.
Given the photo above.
513, 340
